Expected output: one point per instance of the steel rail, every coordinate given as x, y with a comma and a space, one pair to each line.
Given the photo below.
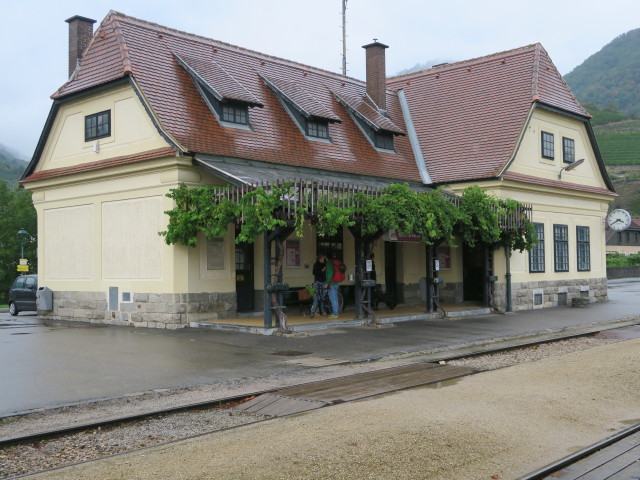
59, 432
577, 456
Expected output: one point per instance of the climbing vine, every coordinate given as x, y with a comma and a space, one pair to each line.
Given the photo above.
430, 214
482, 217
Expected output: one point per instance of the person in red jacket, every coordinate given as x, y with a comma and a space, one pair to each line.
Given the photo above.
335, 272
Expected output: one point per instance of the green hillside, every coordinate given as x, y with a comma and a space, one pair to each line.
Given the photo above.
611, 76
619, 142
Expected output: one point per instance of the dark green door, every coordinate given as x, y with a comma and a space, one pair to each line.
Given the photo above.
244, 277
473, 272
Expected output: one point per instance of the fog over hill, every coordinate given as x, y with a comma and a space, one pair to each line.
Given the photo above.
12, 164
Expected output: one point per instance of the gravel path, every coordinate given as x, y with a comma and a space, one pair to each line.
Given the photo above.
372, 434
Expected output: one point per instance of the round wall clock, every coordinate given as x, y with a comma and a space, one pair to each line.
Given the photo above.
618, 220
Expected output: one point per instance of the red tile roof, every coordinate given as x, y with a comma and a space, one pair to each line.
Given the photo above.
100, 164
363, 107
124, 46
303, 100
468, 115
224, 85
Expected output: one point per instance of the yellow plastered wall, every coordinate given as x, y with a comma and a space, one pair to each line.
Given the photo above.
100, 229
132, 130
555, 205
529, 159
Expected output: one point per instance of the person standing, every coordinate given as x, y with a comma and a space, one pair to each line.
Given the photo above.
337, 269
319, 283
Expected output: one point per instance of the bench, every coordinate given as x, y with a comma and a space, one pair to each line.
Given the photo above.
291, 297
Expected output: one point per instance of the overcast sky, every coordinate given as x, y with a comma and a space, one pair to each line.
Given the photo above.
34, 37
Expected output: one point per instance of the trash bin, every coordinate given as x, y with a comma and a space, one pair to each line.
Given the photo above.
44, 299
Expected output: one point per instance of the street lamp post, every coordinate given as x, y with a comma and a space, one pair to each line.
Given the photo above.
23, 239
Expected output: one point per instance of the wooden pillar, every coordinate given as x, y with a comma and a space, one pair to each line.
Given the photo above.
507, 252
430, 278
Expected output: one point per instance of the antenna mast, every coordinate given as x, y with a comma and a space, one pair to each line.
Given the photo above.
344, 37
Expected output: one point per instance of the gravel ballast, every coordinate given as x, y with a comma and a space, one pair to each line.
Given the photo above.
495, 423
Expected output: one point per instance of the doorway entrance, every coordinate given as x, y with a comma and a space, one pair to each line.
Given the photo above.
473, 273
244, 277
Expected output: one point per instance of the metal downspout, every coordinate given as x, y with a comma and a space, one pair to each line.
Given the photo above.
413, 139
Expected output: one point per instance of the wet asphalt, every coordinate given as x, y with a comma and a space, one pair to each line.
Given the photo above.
46, 364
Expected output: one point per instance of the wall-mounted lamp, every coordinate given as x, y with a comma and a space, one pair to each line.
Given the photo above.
571, 166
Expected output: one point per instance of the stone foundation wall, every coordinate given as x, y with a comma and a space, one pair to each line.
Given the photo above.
546, 294
450, 293
151, 310
524, 295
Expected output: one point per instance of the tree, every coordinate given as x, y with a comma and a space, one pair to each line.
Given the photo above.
17, 213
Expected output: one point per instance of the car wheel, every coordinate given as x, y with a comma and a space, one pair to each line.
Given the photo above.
13, 310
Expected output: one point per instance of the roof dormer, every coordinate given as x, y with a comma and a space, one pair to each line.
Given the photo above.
378, 128
311, 116
227, 98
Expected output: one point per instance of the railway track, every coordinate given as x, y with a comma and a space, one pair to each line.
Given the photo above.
612, 458
373, 378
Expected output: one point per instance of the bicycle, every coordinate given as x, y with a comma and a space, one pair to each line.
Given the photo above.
325, 301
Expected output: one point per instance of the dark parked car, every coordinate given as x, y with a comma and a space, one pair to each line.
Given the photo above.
22, 294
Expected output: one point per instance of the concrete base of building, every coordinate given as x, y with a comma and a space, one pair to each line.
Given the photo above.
149, 310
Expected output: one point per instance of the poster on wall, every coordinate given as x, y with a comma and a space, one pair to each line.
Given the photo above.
443, 254
215, 254
292, 250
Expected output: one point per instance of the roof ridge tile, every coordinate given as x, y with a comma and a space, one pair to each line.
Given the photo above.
122, 43
221, 44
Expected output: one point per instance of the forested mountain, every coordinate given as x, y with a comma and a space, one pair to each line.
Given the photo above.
608, 85
611, 77
11, 167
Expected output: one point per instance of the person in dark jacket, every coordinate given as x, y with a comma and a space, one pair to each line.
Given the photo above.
319, 282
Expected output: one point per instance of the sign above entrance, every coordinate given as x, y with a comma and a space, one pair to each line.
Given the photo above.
395, 236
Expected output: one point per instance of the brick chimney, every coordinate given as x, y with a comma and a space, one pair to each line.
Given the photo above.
376, 73
80, 34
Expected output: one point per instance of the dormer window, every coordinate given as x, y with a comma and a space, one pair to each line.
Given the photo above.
234, 113
227, 99
97, 126
310, 115
384, 140
318, 128
376, 126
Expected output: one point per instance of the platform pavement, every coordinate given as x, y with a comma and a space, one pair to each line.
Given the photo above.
45, 364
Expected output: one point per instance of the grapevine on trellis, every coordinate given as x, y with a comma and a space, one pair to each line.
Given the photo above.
430, 214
